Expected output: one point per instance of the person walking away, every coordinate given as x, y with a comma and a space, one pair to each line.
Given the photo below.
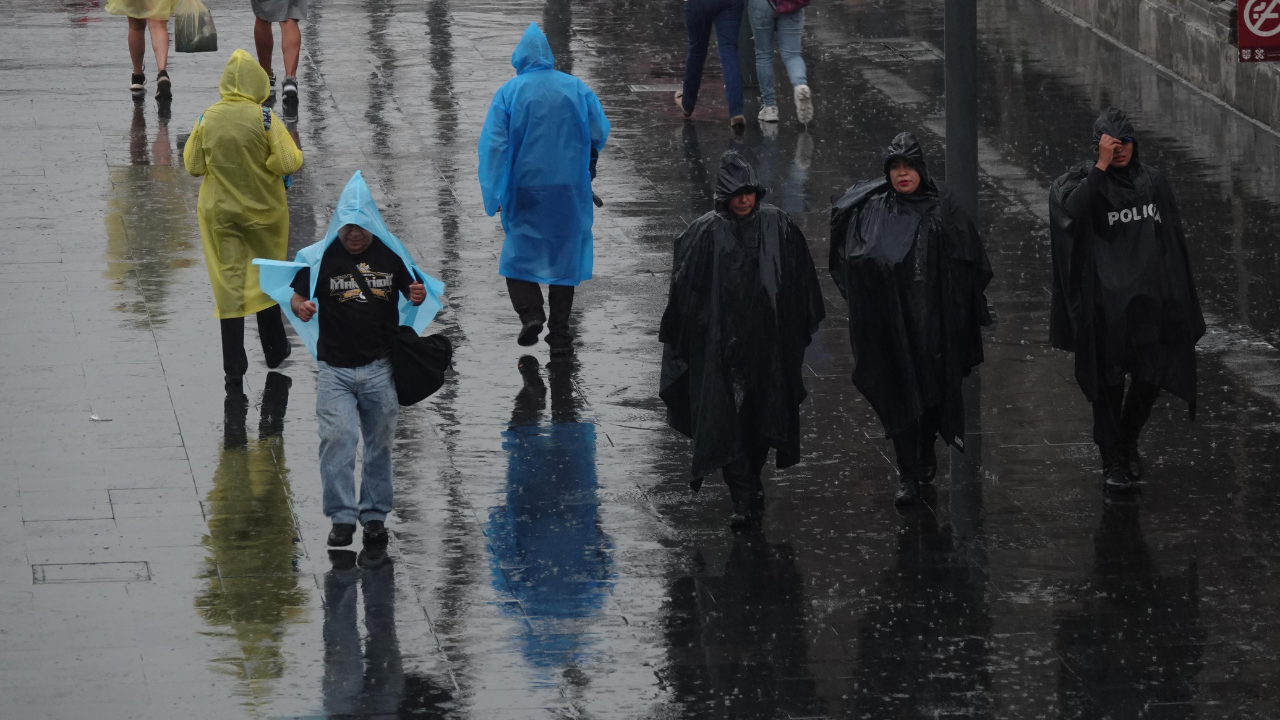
147, 17
347, 299
908, 259
1124, 300
700, 16
287, 13
243, 152
783, 20
538, 151
744, 304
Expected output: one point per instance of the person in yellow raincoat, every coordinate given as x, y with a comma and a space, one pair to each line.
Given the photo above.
147, 16
243, 151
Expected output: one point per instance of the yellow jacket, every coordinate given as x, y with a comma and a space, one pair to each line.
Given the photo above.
243, 211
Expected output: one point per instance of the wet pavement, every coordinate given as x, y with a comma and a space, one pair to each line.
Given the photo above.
162, 547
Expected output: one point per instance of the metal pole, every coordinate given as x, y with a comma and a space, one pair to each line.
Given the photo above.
961, 47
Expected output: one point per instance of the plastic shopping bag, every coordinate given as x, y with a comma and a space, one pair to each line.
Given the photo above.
193, 28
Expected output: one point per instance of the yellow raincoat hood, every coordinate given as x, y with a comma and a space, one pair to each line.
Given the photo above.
243, 78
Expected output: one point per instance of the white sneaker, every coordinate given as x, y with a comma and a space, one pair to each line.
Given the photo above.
768, 114
804, 104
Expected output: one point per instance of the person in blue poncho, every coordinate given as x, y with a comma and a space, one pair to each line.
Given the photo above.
538, 153
347, 299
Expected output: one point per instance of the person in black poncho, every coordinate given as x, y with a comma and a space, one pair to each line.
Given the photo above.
1124, 300
744, 304
908, 259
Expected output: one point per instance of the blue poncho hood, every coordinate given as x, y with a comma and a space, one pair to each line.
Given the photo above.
355, 207
533, 52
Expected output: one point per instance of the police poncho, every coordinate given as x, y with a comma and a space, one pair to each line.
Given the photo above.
913, 270
744, 304
1123, 297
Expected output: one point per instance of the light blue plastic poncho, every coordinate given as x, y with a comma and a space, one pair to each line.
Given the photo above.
535, 157
355, 207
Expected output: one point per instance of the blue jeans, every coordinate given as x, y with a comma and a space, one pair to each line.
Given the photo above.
699, 17
351, 402
765, 24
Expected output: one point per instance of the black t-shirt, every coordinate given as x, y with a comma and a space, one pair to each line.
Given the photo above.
356, 330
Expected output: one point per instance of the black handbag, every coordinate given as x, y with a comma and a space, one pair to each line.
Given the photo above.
417, 363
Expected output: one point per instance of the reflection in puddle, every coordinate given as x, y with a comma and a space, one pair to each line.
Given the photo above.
548, 547
254, 592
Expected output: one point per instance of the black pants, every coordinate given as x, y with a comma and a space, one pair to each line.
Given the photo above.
275, 346
913, 444
1117, 419
526, 298
743, 474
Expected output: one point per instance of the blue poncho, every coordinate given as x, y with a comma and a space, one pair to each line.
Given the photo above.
535, 156
355, 207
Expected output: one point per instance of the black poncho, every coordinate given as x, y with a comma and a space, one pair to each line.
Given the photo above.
913, 270
1123, 297
744, 304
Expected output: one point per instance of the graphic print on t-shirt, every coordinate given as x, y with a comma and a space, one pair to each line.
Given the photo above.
345, 287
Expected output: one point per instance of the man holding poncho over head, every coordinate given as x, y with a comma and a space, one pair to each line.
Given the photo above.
1123, 297
907, 257
743, 307
538, 154
347, 299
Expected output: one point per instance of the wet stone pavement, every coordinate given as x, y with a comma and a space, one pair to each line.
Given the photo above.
162, 546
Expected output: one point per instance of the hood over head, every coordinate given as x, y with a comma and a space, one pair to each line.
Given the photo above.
736, 175
244, 78
356, 207
906, 147
533, 52
1115, 123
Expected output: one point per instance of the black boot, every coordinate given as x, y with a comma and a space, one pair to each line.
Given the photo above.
742, 491
928, 462
531, 330
908, 491
905, 446
1133, 461
1115, 474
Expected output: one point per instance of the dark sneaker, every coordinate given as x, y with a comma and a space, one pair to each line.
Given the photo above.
375, 533
530, 332
341, 534
289, 88
1133, 462
908, 492
137, 83
1115, 479
164, 90
738, 122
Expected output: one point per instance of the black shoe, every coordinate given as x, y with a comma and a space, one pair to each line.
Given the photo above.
744, 514
530, 332
373, 557
1133, 461
561, 343
928, 464
375, 533
137, 83
908, 492
1115, 478
341, 534
164, 90
342, 559
289, 89
274, 363
233, 383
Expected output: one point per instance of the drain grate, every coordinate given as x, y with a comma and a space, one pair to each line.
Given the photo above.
91, 572
896, 50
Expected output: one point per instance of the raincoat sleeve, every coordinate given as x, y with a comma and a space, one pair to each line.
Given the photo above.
285, 157
276, 279
1065, 228
495, 153
597, 122
193, 152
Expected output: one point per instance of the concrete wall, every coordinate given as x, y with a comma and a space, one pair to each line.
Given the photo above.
1193, 38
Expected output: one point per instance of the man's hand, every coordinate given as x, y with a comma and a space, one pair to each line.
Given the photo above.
417, 293
1106, 149
302, 307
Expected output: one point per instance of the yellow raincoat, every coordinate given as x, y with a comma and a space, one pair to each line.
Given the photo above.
145, 9
243, 211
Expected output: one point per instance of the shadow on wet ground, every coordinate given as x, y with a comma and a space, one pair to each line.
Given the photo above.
159, 558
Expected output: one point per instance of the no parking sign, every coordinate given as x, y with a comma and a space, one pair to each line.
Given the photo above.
1258, 27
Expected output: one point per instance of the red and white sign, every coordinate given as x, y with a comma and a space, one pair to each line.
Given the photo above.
1258, 27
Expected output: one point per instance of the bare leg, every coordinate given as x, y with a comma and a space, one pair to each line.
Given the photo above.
264, 42
136, 43
159, 42
290, 44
